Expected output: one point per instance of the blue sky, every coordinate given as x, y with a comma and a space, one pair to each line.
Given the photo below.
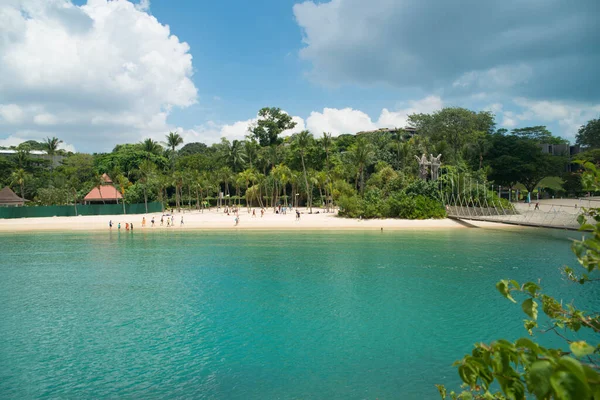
100, 72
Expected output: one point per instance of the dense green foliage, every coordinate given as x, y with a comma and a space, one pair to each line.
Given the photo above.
589, 134
369, 175
525, 367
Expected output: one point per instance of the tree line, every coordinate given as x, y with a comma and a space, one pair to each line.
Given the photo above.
370, 174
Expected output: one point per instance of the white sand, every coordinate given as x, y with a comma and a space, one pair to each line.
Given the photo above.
212, 219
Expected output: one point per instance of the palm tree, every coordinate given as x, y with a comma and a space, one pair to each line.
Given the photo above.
144, 172
22, 158
177, 180
173, 140
98, 182
327, 142
234, 154
251, 150
303, 140
123, 183
52, 145
151, 146
248, 176
362, 154
19, 177
71, 186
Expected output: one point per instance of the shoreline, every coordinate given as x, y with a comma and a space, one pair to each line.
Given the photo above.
213, 220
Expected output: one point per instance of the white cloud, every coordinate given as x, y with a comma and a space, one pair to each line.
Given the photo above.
10, 114
88, 74
212, 132
569, 115
348, 120
508, 120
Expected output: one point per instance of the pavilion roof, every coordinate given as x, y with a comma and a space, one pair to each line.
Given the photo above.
108, 193
7, 196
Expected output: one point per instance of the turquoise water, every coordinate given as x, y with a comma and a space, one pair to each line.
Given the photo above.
257, 315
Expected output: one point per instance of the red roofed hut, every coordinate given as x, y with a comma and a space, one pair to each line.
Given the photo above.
8, 198
106, 193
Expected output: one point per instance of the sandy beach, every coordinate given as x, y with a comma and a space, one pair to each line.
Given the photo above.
211, 220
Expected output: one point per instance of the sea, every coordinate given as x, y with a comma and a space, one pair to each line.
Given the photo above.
163, 314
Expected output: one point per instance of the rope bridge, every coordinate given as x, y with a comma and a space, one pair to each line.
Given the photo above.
473, 201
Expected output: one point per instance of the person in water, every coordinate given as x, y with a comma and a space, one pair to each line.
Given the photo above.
152, 221
131, 225
119, 226
126, 226
110, 224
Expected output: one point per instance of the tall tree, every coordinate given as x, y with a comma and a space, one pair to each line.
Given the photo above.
303, 141
589, 134
98, 182
52, 145
454, 125
233, 154
362, 156
271, 122
144, 173
539, 134
152, 147
19, 177
173, 140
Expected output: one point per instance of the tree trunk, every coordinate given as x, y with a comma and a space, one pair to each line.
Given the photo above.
145, 199
362, 180
190, 196
75, 200
100, 192
320, 193
308, 197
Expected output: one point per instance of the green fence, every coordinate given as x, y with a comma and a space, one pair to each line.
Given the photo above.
69, 211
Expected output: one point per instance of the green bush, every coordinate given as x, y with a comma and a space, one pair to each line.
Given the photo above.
397, 205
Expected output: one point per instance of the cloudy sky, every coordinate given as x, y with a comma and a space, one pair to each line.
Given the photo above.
95, 72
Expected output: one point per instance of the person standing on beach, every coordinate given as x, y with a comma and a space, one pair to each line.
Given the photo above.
152, 221
110, 224
181, 224
162, 220
297, 215
143, 222
262, 212
237, 220
168, 222
253, 213
172, 220
131, 225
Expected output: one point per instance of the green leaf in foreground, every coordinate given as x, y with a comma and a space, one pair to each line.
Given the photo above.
581, 349
529, 307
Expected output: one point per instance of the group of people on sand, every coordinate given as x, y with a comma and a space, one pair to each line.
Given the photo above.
128, 225
170, 219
